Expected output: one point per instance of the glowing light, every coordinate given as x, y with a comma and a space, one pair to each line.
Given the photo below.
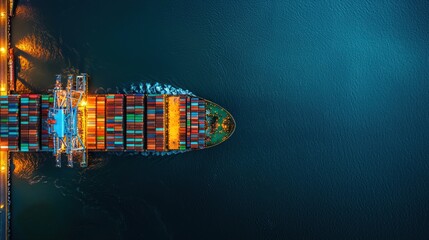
24, 63
35, 47
1, 206
3, 50
18, 166
25, 44
3, 168
83, 103
3, 14
173, 122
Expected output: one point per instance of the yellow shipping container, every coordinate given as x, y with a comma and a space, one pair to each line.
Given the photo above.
173, 122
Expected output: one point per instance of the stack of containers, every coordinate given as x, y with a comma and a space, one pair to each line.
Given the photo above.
101, 122
134, 123
114, 121
110, 122
51, 139
91, 120
9, 129
34, 123
150, 123
13, 122
139, 122
173, 122
201, 123
119, 122
194, 123
188, 122
4, 131
29, 131
182, 130
129, 124
46, 139
160, 123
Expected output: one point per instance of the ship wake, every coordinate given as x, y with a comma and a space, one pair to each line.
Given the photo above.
147, 88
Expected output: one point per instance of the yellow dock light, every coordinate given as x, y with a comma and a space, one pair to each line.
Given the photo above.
3, 50
1, 206
3, 14
83, 103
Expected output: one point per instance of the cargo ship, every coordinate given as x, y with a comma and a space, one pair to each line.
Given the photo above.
149, 123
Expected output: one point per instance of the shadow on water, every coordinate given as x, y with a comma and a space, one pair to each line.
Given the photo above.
27, 86
29, 58
76, 203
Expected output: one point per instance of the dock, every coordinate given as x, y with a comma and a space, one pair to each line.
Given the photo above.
6, 12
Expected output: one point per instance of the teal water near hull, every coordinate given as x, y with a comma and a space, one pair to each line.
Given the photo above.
330, 100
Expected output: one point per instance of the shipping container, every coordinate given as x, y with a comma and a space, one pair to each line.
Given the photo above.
182, 130
29, 122
13, 122
151, 119
129, 122
160, 123
9, 128
201, 123
135, 122
46, 139
188, 122
119, 122
91, 122
4, 116
173, 122
101, 122
114, 122
110, 122
139, 101
194, 123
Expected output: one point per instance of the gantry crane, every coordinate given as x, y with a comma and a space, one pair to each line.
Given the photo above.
67, 119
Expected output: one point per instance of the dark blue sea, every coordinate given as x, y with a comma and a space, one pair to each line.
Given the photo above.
331, 100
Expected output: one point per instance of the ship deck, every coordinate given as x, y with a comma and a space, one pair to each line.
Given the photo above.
220, 124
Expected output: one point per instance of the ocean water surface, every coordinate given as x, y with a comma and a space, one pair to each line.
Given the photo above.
330, 99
